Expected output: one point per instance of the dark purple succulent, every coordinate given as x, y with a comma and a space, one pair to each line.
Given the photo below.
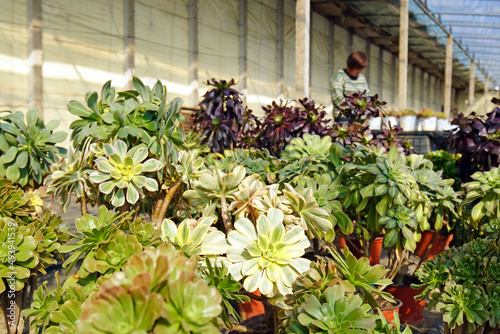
313, 118
389, 138
280, 125
357, 107
222, 119
477, 139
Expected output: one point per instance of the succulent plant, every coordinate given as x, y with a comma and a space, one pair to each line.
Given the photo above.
407, 112
322, 275
122, 174
459, 304
483, 195
166, 294
195, 237
313, 219
28, 148
96, 231
333, 313
357, 106
223, 120
20, 257
267, 256
313, 118
70, 176
57, 310
15, 204
279, 127
140, 116
426, 112
326, 192
357, 274
218, 276
477, 142
400, 227
309, 146
218, 188
461, 284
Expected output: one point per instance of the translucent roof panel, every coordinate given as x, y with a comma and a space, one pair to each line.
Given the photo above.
476, 24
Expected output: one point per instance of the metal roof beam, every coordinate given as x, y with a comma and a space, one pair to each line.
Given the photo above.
442, 26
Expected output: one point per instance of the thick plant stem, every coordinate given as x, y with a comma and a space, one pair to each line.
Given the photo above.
83, 205
161, 210
228, 225
4, 327
272, 321
33, 287
427, 251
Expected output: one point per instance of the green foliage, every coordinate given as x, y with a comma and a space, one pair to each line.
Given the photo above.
267, 256
313, 219
214, 186
28, 148
157, 291
334, 312
307, 146
218, 276
14, 202
70, 176
445, 162
357, 274
140, 116
400, 227
57, 311
17, 253
108, 241
483, 196
462, 284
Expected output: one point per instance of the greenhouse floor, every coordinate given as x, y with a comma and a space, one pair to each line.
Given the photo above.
432, 323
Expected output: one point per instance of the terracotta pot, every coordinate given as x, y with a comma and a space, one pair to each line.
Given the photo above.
341, 242
375, 251
389, 312
438, 246
411, 311
252, 308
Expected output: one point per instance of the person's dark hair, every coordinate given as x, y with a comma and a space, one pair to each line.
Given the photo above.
357, 59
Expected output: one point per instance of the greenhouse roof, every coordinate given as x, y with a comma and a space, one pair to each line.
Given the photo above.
474, 24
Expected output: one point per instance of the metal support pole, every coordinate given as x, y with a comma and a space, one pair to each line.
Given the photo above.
448, 76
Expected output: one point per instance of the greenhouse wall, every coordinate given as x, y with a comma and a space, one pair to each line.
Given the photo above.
83, 47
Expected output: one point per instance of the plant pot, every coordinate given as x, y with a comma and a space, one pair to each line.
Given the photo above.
252, 308
375, 123
443, 124
341, 242
390, 120
428, 123
437, 247
411, 311
408, 123
375, 251
389, 311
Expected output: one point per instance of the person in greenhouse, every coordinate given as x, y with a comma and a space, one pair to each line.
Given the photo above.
349, 79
